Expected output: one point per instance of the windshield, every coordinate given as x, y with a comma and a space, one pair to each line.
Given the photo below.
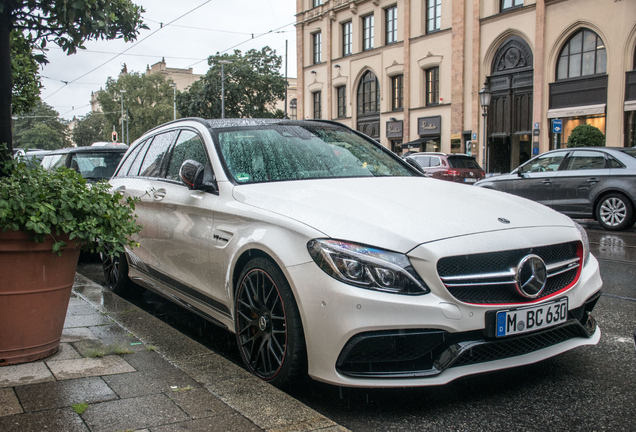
96, 165
630, 151
292, 152
463, 162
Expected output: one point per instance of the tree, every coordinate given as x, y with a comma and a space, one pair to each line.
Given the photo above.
24, 69
68, 24
41, 128
586, 136
89, 129
148, 99
253, 85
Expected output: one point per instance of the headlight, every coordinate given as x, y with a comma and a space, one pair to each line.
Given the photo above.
367, 267
586, 243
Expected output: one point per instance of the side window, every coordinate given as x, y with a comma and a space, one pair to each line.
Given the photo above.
423, 161
152, 162
60, 162
549, 162
585, 160
188, 146
435, 161
613, 163
139, 158
130, 158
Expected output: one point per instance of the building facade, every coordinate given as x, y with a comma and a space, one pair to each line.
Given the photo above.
409, 72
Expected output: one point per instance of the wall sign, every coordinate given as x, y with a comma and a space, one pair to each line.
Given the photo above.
394, 129
427, 126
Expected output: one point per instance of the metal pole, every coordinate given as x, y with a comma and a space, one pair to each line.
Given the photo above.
122, 118
222, 91
286, 83
174, 100
483, 145
127, 122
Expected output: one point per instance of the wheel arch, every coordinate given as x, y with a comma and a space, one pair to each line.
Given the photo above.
606, 192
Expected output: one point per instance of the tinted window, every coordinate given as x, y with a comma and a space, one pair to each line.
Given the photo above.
543, 163
130, 158
463, 162
293, 152
435, 161
152, 162
188, 146
613, 163
424, 161
49, 161
584, 160
139, 157
96, 165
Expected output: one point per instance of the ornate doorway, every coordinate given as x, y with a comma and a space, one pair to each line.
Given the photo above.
510, 116
369, 105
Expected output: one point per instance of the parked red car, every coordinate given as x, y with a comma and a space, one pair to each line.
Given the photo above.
456, 167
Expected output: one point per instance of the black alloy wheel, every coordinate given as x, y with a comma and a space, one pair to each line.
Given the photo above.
615, 212
116, 275
267, 323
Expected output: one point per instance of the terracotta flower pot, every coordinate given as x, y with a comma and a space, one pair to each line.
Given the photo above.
35, 288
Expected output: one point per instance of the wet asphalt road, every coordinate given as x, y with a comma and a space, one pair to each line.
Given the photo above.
587, 389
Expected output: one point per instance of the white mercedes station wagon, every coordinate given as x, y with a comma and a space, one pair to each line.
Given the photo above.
328, 255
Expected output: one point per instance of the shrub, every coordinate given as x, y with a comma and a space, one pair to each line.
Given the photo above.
586, 136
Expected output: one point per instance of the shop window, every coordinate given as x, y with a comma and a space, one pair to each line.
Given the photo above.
342, 100
433, 15
584, 54
432, 86
397, 89
391, 25
316, 3
368, 94
367, 32
347, 38
317, 48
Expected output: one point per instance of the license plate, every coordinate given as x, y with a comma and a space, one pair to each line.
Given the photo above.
511, 322
470, 180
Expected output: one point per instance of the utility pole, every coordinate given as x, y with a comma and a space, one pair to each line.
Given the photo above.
286, 83
122, 114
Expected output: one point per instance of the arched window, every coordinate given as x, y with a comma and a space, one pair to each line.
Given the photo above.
293, 109
584, 54
368, 94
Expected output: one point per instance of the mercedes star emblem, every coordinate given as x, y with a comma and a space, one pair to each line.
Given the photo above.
531, 276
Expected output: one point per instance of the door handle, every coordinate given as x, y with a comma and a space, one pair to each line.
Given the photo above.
120, 189
159, 194
593, 180
547, 181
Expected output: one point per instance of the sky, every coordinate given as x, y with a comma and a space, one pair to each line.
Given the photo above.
202, 28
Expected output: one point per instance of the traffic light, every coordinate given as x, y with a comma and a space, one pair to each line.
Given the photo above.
114, 136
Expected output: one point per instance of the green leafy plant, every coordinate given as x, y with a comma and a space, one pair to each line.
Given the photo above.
43, 203
80, 407
586, 136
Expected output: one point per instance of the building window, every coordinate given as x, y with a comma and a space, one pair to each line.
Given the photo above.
432, 86
317, 37
367, 32
342, 100
391, 25
368, 94
397, 92
317, 110
508, 4
316, 3
433, 15
584, 54
347, 38
293, 109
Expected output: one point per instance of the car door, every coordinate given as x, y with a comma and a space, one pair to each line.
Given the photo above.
535, 180
575, 187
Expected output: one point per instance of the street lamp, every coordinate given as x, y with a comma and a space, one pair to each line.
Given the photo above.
484, 100
122, 115
174, 99
222, 63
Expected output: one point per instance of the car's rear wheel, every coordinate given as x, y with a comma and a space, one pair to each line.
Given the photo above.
268, 327
615, 212
116, 275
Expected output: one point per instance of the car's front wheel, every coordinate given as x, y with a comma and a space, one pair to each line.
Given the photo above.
116, 275
268, 327
615, 212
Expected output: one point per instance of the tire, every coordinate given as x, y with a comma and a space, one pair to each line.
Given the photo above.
615, 212
116, 276
268, 327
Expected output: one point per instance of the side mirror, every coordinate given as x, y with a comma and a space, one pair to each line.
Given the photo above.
194, 175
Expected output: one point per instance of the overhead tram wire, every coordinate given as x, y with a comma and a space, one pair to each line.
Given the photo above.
129, 48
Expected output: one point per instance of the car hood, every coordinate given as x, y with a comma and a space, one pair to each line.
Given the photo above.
396, 213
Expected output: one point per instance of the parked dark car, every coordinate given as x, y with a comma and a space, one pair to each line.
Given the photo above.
93, 163
583, 182
455, 167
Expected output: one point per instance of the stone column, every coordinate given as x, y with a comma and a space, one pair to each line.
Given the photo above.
539, 79
457, 67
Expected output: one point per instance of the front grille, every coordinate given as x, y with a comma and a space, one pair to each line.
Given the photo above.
489, 278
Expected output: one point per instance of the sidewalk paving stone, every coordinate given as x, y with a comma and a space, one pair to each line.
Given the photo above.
200, 403
77, 334
149, 383
23, 374
86, 367
58, 394
9, 403
224, 423
63, 419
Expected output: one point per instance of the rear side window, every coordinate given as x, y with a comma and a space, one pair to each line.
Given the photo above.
585, 160
463, 162
139, 157
435, 161
125, 167
188, 146
424, 161
613, 163
49, 161
151, 166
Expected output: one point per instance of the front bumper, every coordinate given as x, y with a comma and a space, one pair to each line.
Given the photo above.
364, 338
